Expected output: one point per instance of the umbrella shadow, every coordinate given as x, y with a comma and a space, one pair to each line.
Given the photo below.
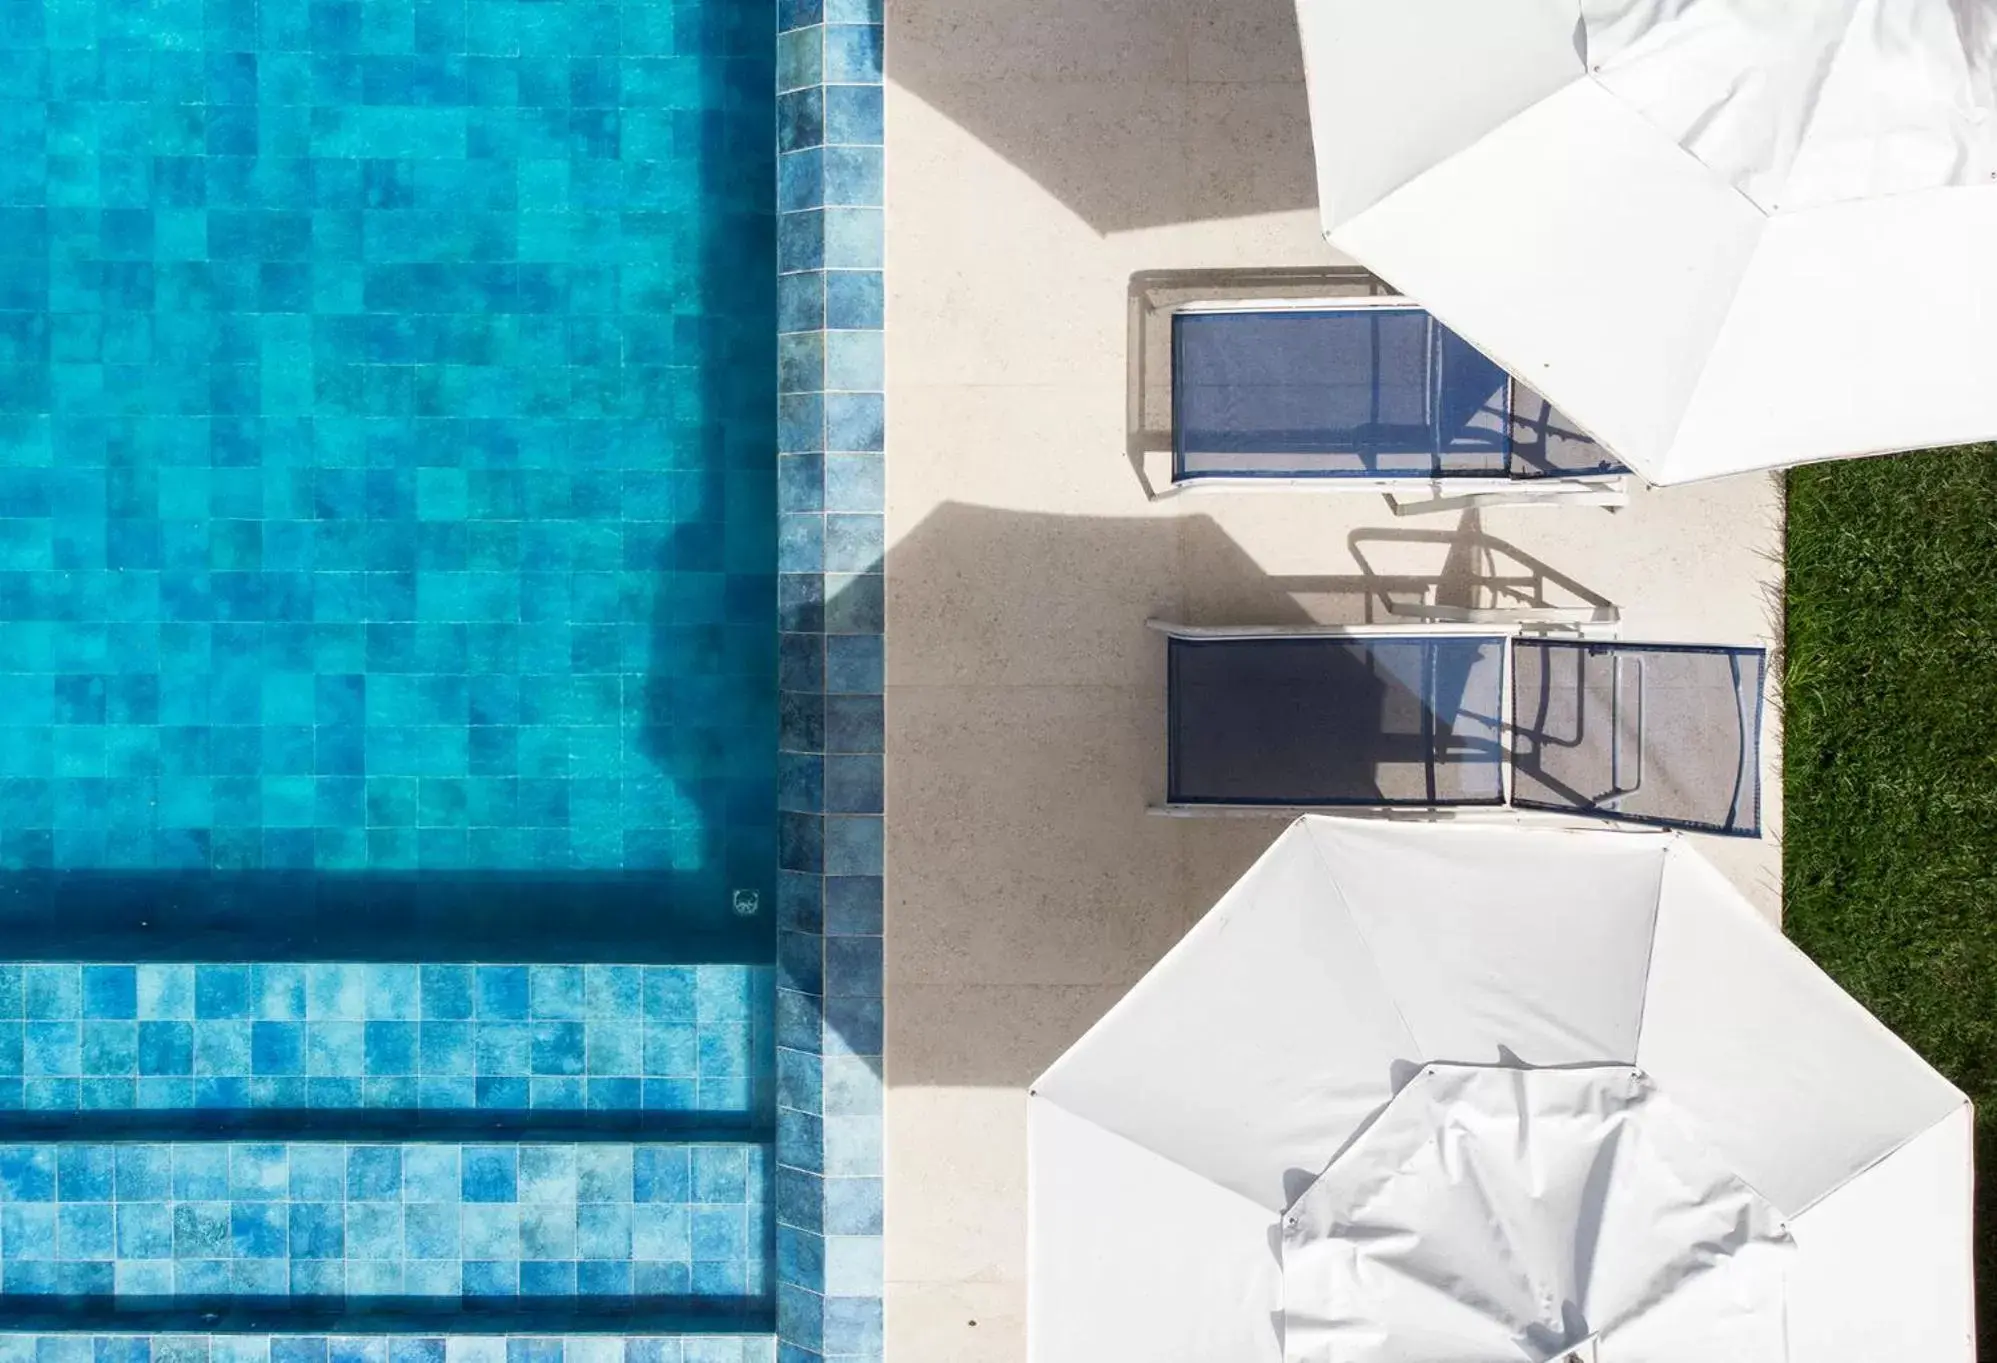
1131, 113
1078, 591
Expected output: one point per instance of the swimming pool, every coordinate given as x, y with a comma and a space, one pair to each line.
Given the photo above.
388, 694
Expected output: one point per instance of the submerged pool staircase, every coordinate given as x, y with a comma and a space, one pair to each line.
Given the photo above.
385, 1160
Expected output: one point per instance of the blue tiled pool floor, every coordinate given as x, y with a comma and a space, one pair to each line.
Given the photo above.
388, 655
481, 1220
222, 1043
439, 1227
386, 438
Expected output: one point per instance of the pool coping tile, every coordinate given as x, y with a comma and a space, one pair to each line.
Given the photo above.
832, 424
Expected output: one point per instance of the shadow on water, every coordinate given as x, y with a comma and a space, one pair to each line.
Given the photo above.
666, 1314
660, 918
710, 691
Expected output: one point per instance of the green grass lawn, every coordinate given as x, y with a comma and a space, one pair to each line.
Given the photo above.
1890, 850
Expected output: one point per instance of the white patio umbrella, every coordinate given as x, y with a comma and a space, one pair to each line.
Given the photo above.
1424, 1092
1718, 234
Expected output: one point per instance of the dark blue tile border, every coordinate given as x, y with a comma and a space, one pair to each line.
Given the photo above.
254, 1347
831, 490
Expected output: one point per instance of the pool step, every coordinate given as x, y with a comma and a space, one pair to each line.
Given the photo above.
354, 1236
531, 1045
753, 1345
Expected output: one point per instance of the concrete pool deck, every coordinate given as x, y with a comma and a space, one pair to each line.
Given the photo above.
1042, 153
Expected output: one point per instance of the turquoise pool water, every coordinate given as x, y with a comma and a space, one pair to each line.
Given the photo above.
386, 468
387, 660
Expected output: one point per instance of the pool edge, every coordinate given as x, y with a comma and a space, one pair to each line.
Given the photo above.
831, 420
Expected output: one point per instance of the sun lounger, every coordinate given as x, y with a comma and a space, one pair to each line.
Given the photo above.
1367, 393
1487, 712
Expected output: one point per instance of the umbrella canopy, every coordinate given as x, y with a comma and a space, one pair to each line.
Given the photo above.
1416, 1093
1717, 234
